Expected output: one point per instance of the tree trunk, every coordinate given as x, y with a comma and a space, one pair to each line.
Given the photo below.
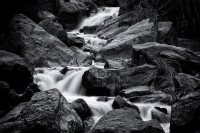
155, 25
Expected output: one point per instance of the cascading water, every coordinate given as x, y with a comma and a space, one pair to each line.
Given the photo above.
99, 18
70, 86
96, 20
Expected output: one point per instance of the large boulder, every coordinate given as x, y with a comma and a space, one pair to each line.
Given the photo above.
126, 120
74, 40
82, 109
15, 71
186, 80
115, 26
72, 12
110, 64
180, 59
27, 39
28, 7
185, 114
101, 81
120, 46
42, 15
31, 8
47, 111
55, 29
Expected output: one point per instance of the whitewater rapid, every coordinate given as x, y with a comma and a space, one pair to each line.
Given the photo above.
69, 84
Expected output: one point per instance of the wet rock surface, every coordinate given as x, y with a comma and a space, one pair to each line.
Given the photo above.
44, 109
27, 39
152, 52
82, 58
15, 71
125, 120
120, 45
82, 109
106, 80
185, 114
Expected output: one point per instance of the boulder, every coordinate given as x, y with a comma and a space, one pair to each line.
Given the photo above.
47, 111
193, 45
5, 106
126, 120
185, 114
135, 91
55, 29
9, 97
27, 39
110, 64
82, 58
120, 46
82, 109
160, 116
180, 59
15, 71
115, 26
102, 99
74, 40
186, 80
42, 15
111, 81
89, 29
163, 110
119, 102
72, 12
30, 8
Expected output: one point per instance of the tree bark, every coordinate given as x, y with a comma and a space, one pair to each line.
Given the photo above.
155, 25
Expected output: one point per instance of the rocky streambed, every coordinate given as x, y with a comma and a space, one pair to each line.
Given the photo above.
82, 66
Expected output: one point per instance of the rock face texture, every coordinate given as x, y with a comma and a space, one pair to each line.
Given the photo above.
82, 58
125, 120
47, 111
152, 52
72, 12
42, 15
81, 107
120, 45
31, 8
27, 39
185, 116
15, 71
55, 29
99, 80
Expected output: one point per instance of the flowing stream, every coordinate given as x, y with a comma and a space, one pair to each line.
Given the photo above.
70, 86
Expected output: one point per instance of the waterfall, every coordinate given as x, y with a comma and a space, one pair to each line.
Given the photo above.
99, 18
69, 84
70, 87
96, 20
